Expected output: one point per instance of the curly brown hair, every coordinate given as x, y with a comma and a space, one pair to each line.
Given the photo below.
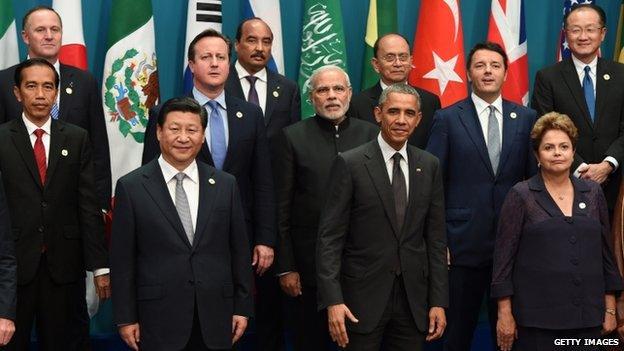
553, 121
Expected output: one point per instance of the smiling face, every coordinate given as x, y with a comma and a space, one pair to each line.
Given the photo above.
393, 61
43, 34
37, 93
398, 116
181, 137
487, 74
555, 152
254, 48
584, 33
210, 65
331, 95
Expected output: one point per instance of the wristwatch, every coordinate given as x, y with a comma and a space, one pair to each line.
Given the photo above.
610, 311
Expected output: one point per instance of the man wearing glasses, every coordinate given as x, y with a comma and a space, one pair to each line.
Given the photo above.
393, 62
590, 90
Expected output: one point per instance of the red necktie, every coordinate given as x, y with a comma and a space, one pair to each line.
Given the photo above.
40, 155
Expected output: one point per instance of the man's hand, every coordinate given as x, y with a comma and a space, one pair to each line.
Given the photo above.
7, 328
506, 331
437, 323
102, 286
239, 324
609, 324
336, 319
263, 258
291, 284
597, 172
130, 335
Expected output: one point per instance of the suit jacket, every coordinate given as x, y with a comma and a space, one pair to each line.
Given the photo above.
8, 265
247, 159
61, 216
363, 104
80, 104
159, 278
281, 110
557, 88
473, 200
305, 153
360, 250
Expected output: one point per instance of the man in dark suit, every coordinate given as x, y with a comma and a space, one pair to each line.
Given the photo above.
8, 273
304, 154
381, 244
250, 79
393, 62
235, 141
489, 137
590, 90
79, 99
179, 255
57, 226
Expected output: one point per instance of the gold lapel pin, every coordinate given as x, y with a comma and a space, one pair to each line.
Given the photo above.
239, 114
64, 152
275, 93
606, 76
211, 181
513, 115
582, 205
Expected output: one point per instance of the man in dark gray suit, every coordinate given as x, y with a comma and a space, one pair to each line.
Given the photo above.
381, 251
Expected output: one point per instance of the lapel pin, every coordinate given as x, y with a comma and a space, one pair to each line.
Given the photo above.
64, 152
211, 181
513, 115
239, 114
275, 93
418, 169
582, 205
606, 76
69, 90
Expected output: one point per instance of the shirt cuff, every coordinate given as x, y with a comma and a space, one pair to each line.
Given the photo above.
101, 271
576, 173
283, 273
612, 161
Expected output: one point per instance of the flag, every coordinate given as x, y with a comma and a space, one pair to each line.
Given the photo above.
507, 28
619, 41
130, 82
438, 53
269, 12
201, 15
382, 19
9, 54
73, 50
323, 43
563, 51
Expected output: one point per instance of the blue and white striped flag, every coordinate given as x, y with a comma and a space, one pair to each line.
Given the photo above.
202, 14
269, 12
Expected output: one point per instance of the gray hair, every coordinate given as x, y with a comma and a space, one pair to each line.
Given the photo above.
400, 88
326, 68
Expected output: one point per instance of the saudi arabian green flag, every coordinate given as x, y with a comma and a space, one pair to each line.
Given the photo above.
323, 43
9, 54
619, 40
130, 82
382, 19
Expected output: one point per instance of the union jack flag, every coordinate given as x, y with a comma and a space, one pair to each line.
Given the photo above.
563, 51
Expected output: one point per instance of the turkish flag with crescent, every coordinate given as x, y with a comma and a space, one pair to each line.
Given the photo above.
73, 50
438, 54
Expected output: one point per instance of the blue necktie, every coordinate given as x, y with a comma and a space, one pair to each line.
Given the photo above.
55, 111
588, 90
218, 148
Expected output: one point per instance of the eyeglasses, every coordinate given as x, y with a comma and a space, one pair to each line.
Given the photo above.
323, 91
577, 31
390, 58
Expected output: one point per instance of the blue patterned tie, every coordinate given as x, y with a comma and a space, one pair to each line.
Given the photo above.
55, 111
588, 90
218, 148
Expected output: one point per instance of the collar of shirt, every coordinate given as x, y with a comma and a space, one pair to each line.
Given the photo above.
580, 69
481, 105
31, 127
242, 72
384, 85
169, 172
203, 99
388, 151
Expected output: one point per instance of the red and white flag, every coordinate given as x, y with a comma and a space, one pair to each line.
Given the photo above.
73, 50
507, 28
438, 55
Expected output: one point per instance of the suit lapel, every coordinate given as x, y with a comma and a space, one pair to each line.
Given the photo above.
374, 93
510, 128
379, 176
234, 128
157, 188
235, 86
470, 121
207, 194
21, 140
65, 100
57, 140
602, 89
571, 79
415, 188
272, 97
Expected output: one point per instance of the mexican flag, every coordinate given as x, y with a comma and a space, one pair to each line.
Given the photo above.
382, 19
130, 82
9, 54
323, 43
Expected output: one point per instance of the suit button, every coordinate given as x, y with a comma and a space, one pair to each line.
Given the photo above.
573, 239
574, 261
576, 281
191, 282
44, 204
40, 229
576, 302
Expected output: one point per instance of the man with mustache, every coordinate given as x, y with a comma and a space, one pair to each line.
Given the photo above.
489, 137
250, 79
393, 62
304, 153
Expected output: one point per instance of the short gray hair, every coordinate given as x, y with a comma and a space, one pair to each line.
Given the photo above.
400, 88
326, 68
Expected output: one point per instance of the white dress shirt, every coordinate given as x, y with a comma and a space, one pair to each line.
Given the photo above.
190, 185
483, 112
387, 152
45, 138
203, 100
261, 83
